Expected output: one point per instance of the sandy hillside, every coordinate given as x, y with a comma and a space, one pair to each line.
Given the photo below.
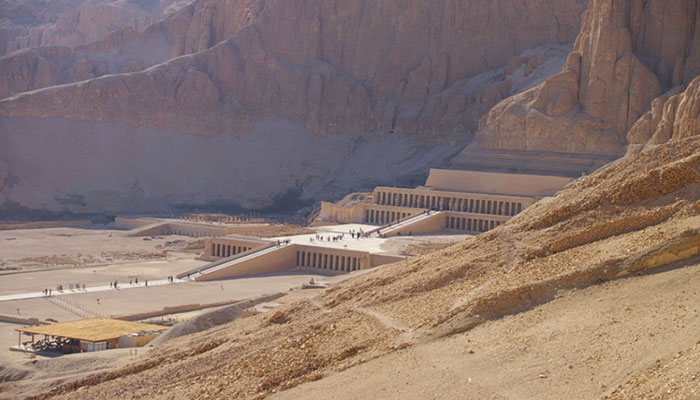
503, 289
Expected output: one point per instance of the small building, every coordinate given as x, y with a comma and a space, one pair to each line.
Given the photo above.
88, 335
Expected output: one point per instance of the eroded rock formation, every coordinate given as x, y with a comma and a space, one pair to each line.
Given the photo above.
626, 54
673, 116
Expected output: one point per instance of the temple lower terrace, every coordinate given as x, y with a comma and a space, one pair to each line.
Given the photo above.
460, 201
331, 250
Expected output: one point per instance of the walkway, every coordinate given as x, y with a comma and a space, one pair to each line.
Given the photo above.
54, 292
388, 230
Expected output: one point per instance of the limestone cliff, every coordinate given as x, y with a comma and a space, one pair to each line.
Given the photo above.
626, 54
406, 80
351, 72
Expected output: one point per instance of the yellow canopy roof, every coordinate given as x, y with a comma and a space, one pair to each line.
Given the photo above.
93, 329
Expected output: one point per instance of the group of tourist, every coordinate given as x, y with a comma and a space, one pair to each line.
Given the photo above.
133, 281
283, 242
321, 238
359, 234
59, 288
112, 284
355, 235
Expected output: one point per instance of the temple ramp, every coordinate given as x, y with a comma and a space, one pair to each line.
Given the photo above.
434, 221
156, 228
263, 260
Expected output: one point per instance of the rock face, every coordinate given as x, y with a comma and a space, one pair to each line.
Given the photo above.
355, 71
307, 64
673, 116
626, 54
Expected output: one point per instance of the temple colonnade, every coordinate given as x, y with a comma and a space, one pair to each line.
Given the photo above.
328, 261
451, 201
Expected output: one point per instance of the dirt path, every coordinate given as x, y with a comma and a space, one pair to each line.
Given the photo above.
384, 319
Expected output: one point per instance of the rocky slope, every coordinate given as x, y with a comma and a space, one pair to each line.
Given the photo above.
627, 53
638, 215
340, 75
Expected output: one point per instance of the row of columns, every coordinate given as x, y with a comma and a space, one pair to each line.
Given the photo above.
190, 234
383, 217
471, 224
226, 250
332, 262
435, 202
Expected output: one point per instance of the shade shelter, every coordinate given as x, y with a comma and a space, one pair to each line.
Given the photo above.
92, 334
